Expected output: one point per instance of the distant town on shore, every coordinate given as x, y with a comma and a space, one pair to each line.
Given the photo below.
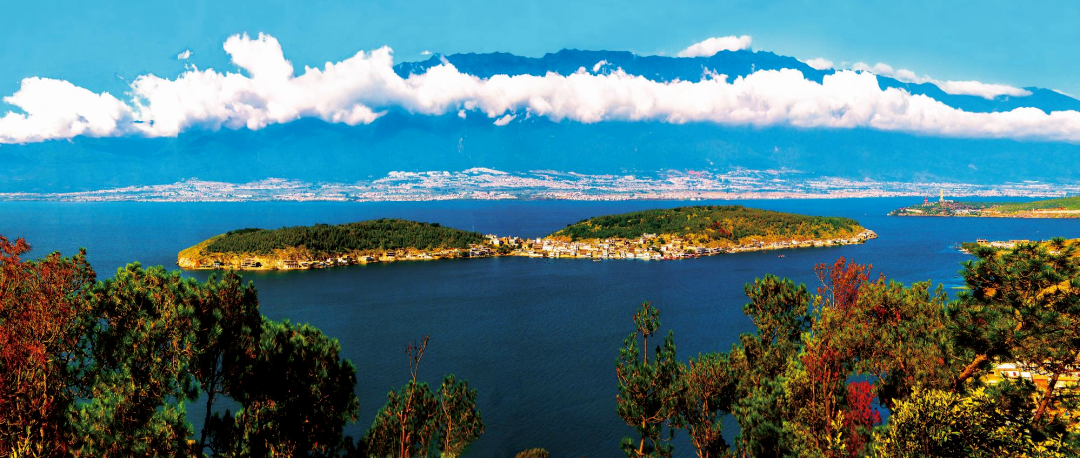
1066, 207
667, 234
480, 183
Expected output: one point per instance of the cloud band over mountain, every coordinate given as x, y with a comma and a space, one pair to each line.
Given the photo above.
361, 88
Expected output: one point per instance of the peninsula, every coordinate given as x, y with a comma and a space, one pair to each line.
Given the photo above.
1066, 207
676, 233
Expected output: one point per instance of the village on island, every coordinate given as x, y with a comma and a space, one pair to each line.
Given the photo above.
647, 247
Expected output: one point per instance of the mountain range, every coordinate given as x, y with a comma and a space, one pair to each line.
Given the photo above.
314, 150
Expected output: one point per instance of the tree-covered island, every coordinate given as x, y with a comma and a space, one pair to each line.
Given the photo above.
1066, 207
675, 233
324, 245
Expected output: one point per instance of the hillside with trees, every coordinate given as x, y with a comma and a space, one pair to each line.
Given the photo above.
325, 239
1065, 203
719, 224
323, 245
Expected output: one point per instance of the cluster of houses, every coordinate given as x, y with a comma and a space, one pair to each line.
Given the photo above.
1031, 373
270, 263
1008, 245
388, 256
650, 247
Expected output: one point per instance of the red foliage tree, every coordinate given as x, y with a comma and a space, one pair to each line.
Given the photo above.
860, 417
829, 355
41, 305
841, 281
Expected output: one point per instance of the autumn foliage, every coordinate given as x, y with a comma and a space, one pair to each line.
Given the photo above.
109, 368
821, 371
41, 303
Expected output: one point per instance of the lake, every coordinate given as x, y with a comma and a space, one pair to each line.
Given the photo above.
537, 337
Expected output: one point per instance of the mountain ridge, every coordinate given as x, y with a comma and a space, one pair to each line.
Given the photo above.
314, 150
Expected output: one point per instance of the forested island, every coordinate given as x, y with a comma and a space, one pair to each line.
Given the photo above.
324, 245
720, 225
676, 233
1066, 207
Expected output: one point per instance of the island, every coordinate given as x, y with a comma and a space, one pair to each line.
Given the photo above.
1066, 207
663, 234
325, 245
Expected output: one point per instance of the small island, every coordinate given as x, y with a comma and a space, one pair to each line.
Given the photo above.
325, 245
677, 233
1066, 207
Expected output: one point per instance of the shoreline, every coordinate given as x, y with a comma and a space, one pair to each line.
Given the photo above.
643, 248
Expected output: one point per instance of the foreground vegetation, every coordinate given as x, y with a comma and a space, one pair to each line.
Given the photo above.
858, 367
723, 225
821, 370
108, 368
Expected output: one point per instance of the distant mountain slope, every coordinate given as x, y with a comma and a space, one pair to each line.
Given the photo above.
315, 151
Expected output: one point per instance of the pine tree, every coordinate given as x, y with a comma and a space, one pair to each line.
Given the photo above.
406, 426
648, 391
458, 420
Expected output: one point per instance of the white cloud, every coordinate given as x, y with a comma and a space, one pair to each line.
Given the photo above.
359, 89
596, 67
976, 88
505, 120
184, 55
878, 68
58, 109
984, 90
716, 44
820, 63
425, 53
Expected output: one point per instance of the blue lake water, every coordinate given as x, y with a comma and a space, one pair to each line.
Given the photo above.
537, 337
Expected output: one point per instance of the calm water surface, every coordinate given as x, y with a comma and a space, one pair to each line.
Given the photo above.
537, 337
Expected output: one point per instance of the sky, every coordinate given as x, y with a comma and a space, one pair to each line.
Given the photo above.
96, 43
109, 46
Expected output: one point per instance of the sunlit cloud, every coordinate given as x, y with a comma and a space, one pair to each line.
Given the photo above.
976, 88
819, 63
716, 44
268, 90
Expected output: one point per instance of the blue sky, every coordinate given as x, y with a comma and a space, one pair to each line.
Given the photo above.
94, 43
111, 69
